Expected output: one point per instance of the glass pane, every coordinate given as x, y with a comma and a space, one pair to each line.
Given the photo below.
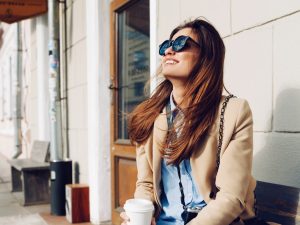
133, 60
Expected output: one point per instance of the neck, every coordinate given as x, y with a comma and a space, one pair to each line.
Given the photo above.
178, 93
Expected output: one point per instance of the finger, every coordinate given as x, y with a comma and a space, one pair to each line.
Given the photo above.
124, 216
153, 222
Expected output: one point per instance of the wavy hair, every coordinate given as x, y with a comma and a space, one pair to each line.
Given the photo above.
202, 96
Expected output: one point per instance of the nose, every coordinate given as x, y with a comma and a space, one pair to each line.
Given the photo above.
169, 51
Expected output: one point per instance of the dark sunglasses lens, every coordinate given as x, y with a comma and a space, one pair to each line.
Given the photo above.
163, 47
179, 43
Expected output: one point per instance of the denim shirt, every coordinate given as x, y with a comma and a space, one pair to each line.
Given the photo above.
170, 196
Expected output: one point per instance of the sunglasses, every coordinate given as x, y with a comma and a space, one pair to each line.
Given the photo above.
177, 45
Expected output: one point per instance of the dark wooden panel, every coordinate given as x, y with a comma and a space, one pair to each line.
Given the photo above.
126, 175
278, 203
16, 181
36, 186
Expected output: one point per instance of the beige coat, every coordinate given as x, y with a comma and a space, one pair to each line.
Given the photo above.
233, 179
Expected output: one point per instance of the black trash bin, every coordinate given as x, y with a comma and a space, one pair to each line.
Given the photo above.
61, 174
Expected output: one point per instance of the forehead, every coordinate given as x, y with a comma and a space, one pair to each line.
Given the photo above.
185, 32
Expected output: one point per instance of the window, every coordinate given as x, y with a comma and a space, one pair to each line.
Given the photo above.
133, 60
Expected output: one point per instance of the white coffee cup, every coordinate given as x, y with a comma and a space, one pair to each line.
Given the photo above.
139, 211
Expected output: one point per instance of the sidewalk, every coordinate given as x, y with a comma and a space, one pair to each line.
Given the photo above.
10, 207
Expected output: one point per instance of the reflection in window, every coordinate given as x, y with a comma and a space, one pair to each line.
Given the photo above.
133, 60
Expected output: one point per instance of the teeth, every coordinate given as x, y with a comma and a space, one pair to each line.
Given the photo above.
170, 62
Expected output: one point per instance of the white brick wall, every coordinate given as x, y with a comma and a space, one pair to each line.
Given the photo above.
248, 72
262, 41
287, 73
76, 22
77, 92
77, 107
250, 13
168, 18
172, 12
276, 158
76, 57
78, 148
215, 11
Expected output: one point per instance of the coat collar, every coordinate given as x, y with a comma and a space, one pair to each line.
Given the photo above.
159, 134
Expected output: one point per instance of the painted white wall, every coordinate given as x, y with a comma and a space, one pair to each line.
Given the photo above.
154, 61
76, 60
98, 109
286, 74
8, 68
246, 14
42, 78
262, 66
8, 51
248, 72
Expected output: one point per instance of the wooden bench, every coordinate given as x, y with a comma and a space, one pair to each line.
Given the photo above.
278, 203
32, 175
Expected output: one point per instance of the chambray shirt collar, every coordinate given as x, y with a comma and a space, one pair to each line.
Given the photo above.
172, 103
174, 107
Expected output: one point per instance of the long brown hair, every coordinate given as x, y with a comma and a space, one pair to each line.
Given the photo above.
203, 95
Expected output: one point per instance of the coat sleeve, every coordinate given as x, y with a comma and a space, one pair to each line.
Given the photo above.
144, 184
233, 176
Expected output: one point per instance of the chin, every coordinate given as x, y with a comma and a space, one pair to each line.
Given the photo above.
170, 72
174, 76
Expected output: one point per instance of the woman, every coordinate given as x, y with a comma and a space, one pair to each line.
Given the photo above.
177, 131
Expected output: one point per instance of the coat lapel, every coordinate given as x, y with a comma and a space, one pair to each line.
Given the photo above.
203, 163
159, 134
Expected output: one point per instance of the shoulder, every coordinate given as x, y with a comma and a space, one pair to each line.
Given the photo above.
235, 102
239, 115
237, 112
236, 107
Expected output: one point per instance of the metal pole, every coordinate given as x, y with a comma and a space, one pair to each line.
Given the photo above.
54, 81
64, 79
17, 96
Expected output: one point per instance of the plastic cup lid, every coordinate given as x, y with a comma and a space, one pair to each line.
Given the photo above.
138, 205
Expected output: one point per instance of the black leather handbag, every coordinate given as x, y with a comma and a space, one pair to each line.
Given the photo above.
255, 221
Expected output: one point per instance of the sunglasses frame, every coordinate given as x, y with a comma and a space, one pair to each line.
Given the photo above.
180, 42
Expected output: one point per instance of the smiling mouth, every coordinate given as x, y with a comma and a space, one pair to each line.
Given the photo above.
170, 62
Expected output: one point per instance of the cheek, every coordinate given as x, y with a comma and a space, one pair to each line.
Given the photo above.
191, 62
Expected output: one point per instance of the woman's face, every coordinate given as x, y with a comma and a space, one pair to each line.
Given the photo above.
178, 65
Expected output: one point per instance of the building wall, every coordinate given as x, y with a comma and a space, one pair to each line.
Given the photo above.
77, 86
261, 65
74, 57
7, 51
75, 54
30, 124
8, 71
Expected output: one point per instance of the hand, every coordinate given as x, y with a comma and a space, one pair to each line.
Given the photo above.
125, 218
153, 221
